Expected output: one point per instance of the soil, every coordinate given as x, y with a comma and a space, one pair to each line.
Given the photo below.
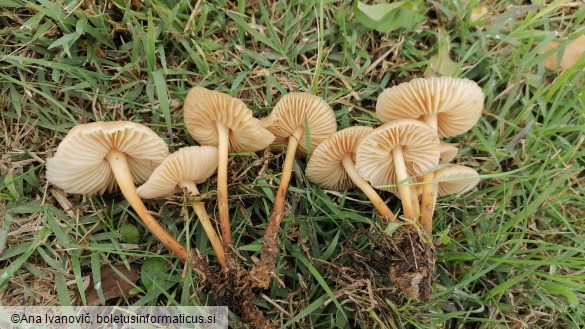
413, 265
403, 261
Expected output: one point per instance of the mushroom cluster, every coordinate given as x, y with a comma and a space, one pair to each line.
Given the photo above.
449, 106
404, 155
98, 157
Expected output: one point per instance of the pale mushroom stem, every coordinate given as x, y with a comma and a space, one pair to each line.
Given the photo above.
119, 165
426, 219
261, 273
429, 196
362, 184
222, 187
415, 201
403, 183
199, 208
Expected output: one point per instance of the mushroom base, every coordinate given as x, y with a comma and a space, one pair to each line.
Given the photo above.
233, 289
239, 293
360, 272
412, 268
262, 273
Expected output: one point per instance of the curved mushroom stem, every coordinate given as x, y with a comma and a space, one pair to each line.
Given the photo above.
403, 183
206, 223
222, 187
261, 272
428, 193
119, 165
362, 184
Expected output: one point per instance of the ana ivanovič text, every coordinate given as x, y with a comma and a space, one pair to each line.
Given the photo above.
89, 318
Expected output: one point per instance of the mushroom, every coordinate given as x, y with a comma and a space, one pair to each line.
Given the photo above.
295, 116
93, 157
332, 166
455, 179
184, 169
217, 119
448, 152
451, 106
571, 54
396, 151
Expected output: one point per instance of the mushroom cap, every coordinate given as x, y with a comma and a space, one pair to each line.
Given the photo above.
193, 164
571, 54
448, 151
325, 168
79, 165
204, 107
267, 122
420, 148
456, 102
455, 179
293, 109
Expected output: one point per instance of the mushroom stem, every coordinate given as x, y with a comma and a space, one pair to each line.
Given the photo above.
261, 272
428, 202
403, 183
431, 120
362, 184
222, 187
415, 201
428, 191
199, 208
119, 165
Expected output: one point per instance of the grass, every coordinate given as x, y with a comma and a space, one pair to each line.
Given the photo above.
512, 252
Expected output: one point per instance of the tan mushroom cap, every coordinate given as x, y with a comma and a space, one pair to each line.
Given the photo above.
193, 164
293, 109
571, 54
448, 151
204, 107
325, 168
267, 121
420, 149
279, 143
79, 165
456, 102
456, 179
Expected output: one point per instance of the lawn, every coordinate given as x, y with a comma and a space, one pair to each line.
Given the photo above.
510, 253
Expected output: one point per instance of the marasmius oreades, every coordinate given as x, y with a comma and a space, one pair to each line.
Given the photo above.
218, 119
183, 170
395, 153
100, 156
295, 117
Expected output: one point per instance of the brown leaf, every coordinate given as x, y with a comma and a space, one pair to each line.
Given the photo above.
112, 284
